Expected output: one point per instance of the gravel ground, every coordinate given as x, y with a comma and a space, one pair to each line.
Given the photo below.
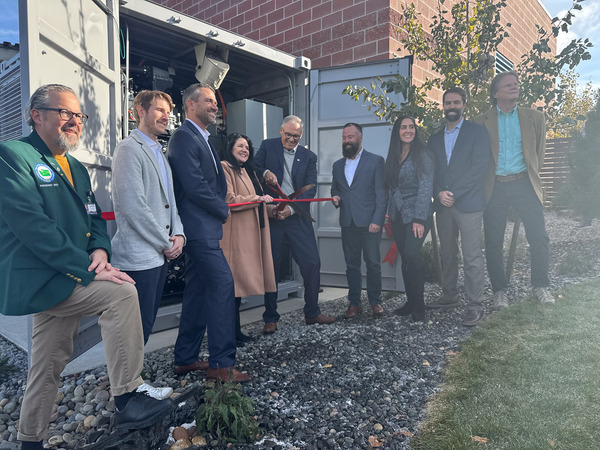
349, 385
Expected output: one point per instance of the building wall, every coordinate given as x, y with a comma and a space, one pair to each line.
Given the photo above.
332, 32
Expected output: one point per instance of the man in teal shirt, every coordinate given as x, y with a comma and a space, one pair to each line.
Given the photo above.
518, 139
55, 252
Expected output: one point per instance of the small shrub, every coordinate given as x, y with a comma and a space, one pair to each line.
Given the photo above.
574, 262
227, 414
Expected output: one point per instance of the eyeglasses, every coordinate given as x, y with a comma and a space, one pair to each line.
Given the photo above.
295, 137
65, 114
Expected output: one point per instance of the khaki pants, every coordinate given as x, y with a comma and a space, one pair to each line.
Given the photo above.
52, 344
451, 222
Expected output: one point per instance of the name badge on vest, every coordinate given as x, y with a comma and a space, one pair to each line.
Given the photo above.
90, 206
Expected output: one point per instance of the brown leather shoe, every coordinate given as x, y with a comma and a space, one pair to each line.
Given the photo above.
377, 309
224, 373
198, 365
352, 312
321, 318
270, 328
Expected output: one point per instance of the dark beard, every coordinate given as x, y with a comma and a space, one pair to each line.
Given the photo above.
452, 115
349, 150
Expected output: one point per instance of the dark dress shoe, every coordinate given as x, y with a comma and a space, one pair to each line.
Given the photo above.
30, 445
352, 312
377, 309
198, 365
244, 338
473, 317
140, 412
321, 319
405, 310
225, 373
270, 328
418, 316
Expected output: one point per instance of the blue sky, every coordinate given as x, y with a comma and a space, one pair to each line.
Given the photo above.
585, 24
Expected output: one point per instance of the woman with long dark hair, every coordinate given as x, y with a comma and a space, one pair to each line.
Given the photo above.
246, 237
408, 179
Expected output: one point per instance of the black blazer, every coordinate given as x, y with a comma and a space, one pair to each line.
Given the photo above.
464, 174
364, 201
200, 187
304, 170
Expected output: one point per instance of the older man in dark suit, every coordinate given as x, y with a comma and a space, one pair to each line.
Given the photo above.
283, 160
200, 189
357, 189
462, 156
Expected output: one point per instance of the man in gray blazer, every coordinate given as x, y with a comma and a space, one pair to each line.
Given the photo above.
357, 189
149, 231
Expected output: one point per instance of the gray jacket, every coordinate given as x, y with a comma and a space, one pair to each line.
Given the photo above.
410, 201
145, 211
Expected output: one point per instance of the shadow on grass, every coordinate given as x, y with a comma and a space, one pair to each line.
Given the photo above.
527, 378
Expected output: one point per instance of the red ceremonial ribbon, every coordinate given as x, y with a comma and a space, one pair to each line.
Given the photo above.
284, 200
110, 215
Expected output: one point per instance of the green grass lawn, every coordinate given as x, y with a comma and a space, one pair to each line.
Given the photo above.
527, 378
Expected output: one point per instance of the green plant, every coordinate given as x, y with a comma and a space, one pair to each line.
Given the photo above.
580, 191
227, 414
460, 46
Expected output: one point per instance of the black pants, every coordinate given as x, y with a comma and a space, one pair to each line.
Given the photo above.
409, 248
521, 196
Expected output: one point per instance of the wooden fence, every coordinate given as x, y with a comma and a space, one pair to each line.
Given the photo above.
556, 167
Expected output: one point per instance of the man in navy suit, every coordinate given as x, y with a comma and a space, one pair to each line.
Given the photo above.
200, 188
462, 156
282, 160
357, 189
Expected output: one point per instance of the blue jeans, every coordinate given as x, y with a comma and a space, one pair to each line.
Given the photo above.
357, 240
521, 196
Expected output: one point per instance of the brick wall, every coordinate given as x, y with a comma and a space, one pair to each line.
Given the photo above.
336, 32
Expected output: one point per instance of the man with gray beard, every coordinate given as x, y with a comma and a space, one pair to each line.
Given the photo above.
55, 252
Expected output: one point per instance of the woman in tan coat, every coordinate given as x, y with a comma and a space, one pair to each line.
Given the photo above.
246, 237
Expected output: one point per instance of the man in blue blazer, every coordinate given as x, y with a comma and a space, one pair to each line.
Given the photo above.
462, 156
200, 189
357, 189
55, 265
283, 160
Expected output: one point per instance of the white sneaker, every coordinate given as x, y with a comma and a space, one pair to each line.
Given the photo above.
155, 392
500, 300
543, 295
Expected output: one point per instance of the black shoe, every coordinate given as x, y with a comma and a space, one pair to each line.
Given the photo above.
31, 445
473, 317
405, 310
140, 412
244, 338
418, 316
